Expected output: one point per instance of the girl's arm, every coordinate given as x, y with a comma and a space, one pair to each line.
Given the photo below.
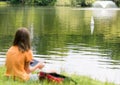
31, 69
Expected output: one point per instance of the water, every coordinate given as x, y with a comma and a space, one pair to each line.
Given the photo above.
83, 41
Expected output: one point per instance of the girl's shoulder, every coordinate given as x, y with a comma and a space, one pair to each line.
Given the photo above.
13, 47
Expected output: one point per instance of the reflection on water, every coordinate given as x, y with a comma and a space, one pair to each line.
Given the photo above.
92, 24
31, 28
62, 38
105, 13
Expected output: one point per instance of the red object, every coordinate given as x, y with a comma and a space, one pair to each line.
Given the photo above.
54, 79
49, 77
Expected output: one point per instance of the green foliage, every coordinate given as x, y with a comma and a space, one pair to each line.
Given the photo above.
117, 2
44, 2
82, 3
15, 1
38, 2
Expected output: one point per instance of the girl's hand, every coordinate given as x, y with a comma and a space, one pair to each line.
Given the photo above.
40, 65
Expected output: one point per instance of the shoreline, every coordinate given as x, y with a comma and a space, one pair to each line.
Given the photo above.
81, 80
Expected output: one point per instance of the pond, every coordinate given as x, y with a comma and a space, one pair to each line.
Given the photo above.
85, 41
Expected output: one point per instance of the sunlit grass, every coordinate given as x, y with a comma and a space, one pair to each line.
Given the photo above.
3, 3
81, 80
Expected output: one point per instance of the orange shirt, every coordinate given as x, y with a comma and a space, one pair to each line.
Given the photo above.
15, 63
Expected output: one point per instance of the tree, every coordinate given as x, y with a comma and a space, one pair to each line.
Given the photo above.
44, 2
117, 2
83, 3
38, 2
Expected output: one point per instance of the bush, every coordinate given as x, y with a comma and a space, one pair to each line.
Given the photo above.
44, 2
14, 1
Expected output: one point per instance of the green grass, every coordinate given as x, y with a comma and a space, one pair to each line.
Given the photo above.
81, 80
3, 3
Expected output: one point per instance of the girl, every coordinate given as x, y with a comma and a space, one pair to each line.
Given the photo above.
19, 56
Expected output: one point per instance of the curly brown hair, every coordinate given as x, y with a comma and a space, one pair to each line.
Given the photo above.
22, 39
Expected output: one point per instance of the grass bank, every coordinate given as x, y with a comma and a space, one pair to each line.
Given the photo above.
81, 80
3, 3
